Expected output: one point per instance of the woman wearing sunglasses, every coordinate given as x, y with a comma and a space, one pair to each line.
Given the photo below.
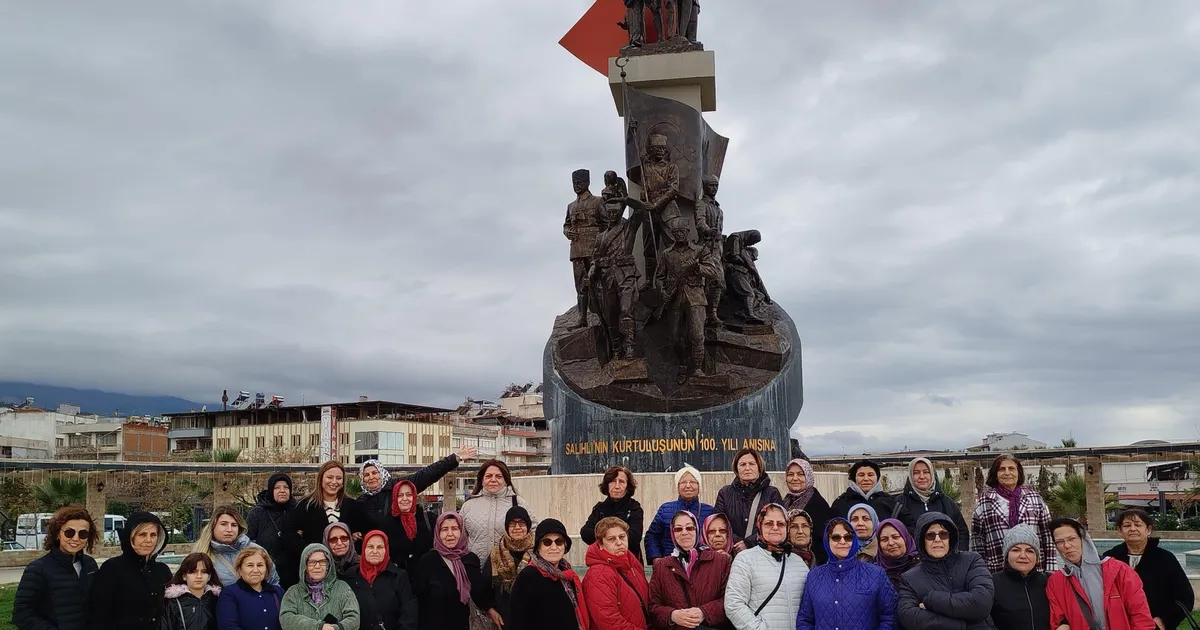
950, 588
766, 581
687, 589
846, 593
548, 594
53, 592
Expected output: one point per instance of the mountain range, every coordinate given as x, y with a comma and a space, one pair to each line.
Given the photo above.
94, 401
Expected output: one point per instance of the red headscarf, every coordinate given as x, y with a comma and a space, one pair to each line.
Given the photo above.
408, 519
368, 570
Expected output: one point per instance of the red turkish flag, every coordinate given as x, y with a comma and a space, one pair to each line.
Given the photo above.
596, 36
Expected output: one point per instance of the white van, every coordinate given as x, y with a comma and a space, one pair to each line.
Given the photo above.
31, 529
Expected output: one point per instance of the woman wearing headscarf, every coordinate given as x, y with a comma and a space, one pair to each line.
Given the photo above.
267, 519
866, 487
767, 581
865, 522
716, 533
510, 555
614, 586
378, 483
800, 534
320, 601
326, 504
658, 535
802, 494
449, 576
617, 486
741, 499
54, 589
846, 593
949, 588
923, 493
1006, 503
548, 594
407, 526
1090, 591
127, 592
384, 593
337, 538
897, 551
1020, 602
688, 587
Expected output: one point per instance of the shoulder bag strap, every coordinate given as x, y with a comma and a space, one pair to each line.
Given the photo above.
782, 568
1083, 606
753, 513
635, 591
1188, 616
896, 508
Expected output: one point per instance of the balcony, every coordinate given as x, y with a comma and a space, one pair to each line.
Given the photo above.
185, 434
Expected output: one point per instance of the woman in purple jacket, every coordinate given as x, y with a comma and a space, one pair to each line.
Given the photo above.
846, 593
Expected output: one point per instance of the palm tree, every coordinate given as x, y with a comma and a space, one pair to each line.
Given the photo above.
57, 492
950, 486
226, 456
1069, 499
1068, 442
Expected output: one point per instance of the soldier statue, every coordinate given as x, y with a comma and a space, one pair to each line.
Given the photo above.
689, 14
741, 272
581, 227
635, 20
710, 222
613, 278
660, 179
685, 267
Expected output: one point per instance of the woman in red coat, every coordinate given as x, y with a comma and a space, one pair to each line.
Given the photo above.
614, 586
687, 588
1090, 587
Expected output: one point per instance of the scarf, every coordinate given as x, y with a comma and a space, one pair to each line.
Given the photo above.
866, 542
504, 568
408, 520
454, 556
777, 551
686, 558
1090, 576
565, 575
704, 536
1013, 496
371, 571
799, 500
876, 489
924, 495
316, 590
344, 563
910, 547
384, 477
805, 552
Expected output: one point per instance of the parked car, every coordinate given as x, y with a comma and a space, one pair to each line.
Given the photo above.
12, 545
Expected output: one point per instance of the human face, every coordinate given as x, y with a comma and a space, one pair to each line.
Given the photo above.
863, 526
937, 541
225, 530
80, 530
339, 542
281, 492
197, 578
1023, 558
552, 548
316, 566
680, 234
580, 186
683, 531
922, 477
371, 478
657, 151
1134, 531
404, 498
374, 549
747, 468
618, 486
866, 478
841, 540
796, 481
493, 479
145, 540
615, 541
253, 570
800, 532
891, 542
1069, 544
331, 483
450, 532
710, 188
517, 530
774, 527
688, 487
1008, 473
717, 534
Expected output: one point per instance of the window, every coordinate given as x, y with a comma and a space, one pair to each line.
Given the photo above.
428, 459
80, 440
314, 439
366, 440
391, 441
278, 441
222, 442
412, 439
412, 459
444, 441
427, 440
344, 439
244, 442
456, 442
359, 459
260, 441
295, 440
109, 439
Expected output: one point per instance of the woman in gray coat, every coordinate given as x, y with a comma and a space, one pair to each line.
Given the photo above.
951, 589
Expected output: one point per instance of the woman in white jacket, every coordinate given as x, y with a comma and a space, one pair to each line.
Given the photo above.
766, 581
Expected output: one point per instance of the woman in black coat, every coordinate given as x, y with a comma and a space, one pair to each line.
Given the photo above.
1020, 602
741, 500
306, 522
266, 521
407, 527
378, 483
448, 577
384, 593
547, 594
53, 593
1168, 590
950, 588
617, 487
127, 593
923, 493
803, 495
865, 487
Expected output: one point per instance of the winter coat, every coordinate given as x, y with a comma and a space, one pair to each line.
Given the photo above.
266, 522
735, 501
1020, 602
306, 525
753, 576
818, 508
184, 611
847, 594
1163, 580
884, 504
672, 589
658, 536
439, 607
627, 509
1125, 606
388, 604
938, 502
501, 597
407, 551
225, 556
990, 522
615, 590
298, 611
484, 516
540, 603
240, 607
51, 595
956, 589
127, 592
379, 505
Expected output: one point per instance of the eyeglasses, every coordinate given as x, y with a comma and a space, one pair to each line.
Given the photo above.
774, 525
339, 539
686, 528
840, 538
554, 542
82, 534
718, 530
317, 563
942, 535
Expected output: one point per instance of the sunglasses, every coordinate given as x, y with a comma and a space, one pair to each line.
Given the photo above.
932, 536
554, 542
339, 539
687, 528
82, 534
839, 538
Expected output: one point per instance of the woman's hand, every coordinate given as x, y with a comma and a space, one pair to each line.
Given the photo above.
328, 626
496, 618
687, 617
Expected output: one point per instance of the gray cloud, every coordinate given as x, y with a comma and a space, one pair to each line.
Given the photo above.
990, 205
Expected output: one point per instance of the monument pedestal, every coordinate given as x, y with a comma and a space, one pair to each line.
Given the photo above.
687, 77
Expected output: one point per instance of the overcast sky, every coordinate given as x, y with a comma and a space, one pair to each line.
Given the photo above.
983, 216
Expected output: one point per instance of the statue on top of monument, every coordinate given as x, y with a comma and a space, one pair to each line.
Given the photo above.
613, 278
581, 227
673, 19
710, 222
745, 286
684, 268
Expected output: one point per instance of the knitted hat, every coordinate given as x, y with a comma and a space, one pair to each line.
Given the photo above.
1019, 534
861, 463
517, 513
687, 469
551, 526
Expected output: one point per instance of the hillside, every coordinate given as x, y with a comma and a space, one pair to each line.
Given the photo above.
94, 401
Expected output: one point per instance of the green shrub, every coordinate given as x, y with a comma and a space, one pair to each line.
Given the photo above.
1191, 524
1166, 522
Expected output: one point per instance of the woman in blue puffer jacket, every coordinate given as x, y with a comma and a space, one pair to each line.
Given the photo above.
846, 593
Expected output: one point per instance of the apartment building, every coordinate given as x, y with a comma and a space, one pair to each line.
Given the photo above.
113, 439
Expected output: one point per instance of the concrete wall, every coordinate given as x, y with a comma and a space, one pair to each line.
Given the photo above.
31, 425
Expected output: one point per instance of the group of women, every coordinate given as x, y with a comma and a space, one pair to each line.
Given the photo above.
762, 558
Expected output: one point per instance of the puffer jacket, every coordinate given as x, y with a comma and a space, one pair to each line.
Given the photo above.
51, 595
297, 611
185, 611
956, 589
224, 558
1125, 605
1020, 602
735, 501
658, 535
847, 594
615, 590
671, 588
938, 502
484, 513
753, 576
127, 592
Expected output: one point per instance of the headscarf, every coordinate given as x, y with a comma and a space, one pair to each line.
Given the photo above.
562, 571
454, 556
408, 520
316, 588
340, 563
504, 567
874, 521
384, 477
854, 546
1013, 496
688, 558
799, 500
688, 470
365, 568
910, 546
805, 553
924, 495
707, 521
777, 551
1089, 573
